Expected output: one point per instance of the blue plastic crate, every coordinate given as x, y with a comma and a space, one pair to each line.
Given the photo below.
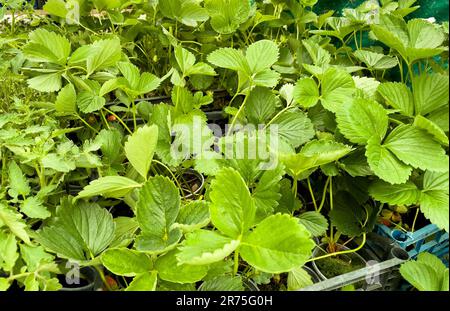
427, 239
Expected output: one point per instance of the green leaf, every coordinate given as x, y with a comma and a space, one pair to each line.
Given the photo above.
35, 256
140, 148
80, 55
375, 60
31, 283
295, 127
223, 283
306, 92
398, 96
224, 267
103, 54
424, 39
262, 55
109, 187
13, 221
46, 82
111, 145
58, 162
230, 59
434, 205
416, 147
125, 231
227, 15
298, 278
288, 202
313, 155
361, 120
34, 208
232, 209
79, 232
432, 129
110, 85
56, 7
400, 194
338, 87
188, 12
314, 222
351, 218
261, 105
435, 181
194, 215
144, 282
319, 56
182, 99
46, 46
4, 284
277, 244
66, 101
185, 59
430, 92
156, 211
209, 164
8, 251
18, 184
434, 262
422, 275
385, 164
126, 262
366, 87
89, 100
441, 118
356, 164
170, 270
130, 72
267, 192
416, 40
266, 78
392, 31
198, 70
203, 247
147, 83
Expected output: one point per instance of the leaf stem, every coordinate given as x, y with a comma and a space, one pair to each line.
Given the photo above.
233, 122
236, 262
331, 208
341, 252
85, 123
396, 121
312, 194
277, 115
172, 174
41, 174
104, 120
119, 119
415, 219
102, 276
324, 194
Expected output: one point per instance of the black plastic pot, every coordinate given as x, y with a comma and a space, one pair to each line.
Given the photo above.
250, 285
90, 281
314, 276
191, 174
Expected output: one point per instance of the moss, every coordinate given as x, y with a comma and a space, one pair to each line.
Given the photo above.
338, 265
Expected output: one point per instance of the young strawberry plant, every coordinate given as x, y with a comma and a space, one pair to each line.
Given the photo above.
217, 144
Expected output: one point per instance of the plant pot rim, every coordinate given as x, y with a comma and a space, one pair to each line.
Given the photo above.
201, 178
93, 280
318, 248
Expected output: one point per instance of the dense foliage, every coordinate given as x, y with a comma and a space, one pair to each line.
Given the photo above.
105, 125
